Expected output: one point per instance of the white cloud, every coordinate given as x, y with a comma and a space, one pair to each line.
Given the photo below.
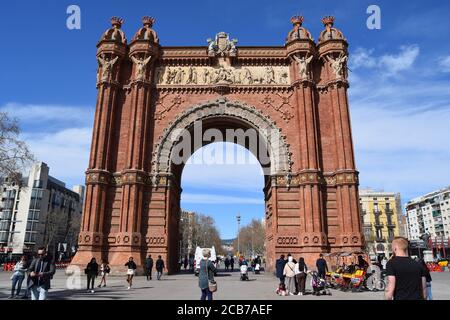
35, 114
66, 152
401, 61
223, 166
362, 58
400, 130
57, 135
444, 63
388, 64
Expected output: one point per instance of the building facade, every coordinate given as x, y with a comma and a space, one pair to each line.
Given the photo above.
381, 216
39, 212
294, 96
187, 233
429, 214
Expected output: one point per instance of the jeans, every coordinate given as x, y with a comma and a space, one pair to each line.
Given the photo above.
148, 273
206, 293
321, 273
159, 274
282, 279
90, 281
301, 281
38, 293
429, 293
17, 281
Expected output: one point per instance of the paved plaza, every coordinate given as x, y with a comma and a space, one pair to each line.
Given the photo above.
185, 287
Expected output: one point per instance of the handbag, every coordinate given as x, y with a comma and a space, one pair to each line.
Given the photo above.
212, 286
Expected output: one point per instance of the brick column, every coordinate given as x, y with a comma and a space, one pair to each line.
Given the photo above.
110, 54
313, 237
143, 51
332, 49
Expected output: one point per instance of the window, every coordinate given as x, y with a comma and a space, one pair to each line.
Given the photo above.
37, 184
30, 237
33, 215
32, 225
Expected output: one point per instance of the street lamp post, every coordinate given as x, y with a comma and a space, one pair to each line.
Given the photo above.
239, 225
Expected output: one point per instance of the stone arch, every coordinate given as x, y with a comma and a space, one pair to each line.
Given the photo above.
280, 156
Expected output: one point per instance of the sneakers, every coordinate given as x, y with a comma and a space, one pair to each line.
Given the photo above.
99, 286
92, 291
104, 285
128, 288
300, 294
11, 297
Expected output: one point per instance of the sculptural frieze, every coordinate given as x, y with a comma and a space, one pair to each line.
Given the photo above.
240, 75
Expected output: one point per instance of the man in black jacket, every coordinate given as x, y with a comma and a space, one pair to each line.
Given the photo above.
279, 266
41, 271
159, 267
149, 267
322, 267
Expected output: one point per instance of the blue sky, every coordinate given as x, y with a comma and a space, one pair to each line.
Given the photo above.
399, 95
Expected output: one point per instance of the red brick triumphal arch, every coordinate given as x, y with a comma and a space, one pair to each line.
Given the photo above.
295, 98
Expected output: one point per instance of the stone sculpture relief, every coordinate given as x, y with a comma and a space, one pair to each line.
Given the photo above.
303, 65
141, 66
338, 65
106, 68
249, 75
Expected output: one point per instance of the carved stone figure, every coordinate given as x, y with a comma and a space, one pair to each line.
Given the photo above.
269, 76
206, 78
247, 78
107, 67
192, 76
159, 76
284, 78
141, 66
170, 76
237, 77
303, 64
179, 76
338, 65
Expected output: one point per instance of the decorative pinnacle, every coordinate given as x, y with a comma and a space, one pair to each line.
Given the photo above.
297, 20
328, 20
117, 22
148, 21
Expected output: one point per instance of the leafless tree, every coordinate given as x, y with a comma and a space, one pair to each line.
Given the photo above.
202, 232
14, 153
251, 239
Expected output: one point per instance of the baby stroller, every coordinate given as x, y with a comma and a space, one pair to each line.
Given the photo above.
319, 285
257, 268
244, 272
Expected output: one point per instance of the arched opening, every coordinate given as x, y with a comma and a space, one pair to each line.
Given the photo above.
219, 121
220, 182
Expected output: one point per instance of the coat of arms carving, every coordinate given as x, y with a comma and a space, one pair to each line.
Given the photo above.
222, 45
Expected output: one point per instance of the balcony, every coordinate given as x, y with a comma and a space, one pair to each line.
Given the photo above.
390, 224
379, 224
